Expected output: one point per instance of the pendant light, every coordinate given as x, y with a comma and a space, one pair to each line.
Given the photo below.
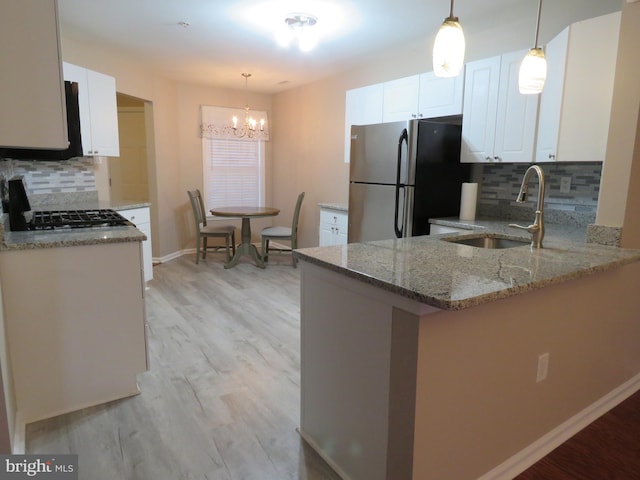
448, 48
533, 69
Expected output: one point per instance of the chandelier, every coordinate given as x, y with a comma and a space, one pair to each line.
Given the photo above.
248, 128
299, 27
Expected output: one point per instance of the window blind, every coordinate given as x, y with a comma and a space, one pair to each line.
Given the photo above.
233, 172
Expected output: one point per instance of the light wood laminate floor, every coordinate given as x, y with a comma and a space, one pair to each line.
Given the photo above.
222, 397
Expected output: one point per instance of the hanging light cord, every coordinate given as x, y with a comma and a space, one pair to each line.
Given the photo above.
535, 43
451, 10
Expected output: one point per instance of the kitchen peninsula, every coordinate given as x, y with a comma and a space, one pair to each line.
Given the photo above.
426, 359
74, 318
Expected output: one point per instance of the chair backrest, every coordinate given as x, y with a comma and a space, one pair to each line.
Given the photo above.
296, 215
197, 206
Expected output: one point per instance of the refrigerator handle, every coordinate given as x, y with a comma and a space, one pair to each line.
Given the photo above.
404, 137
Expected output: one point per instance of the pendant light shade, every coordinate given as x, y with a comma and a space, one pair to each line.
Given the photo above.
533, 72
448, 48
533, 69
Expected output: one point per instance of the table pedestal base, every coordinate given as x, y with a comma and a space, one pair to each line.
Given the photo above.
246, 247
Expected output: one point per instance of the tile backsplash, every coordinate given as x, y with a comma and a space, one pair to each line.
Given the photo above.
499, 185
64, 176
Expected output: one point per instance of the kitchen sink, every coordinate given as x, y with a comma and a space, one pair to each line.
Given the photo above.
488, 241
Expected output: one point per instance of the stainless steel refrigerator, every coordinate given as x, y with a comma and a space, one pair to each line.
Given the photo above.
402, 174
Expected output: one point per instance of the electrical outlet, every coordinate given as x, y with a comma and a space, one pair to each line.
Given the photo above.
565, 184
543, 367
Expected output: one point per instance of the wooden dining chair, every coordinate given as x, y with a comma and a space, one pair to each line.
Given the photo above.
204, 231
283, 233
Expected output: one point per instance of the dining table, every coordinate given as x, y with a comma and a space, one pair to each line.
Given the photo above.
245, 247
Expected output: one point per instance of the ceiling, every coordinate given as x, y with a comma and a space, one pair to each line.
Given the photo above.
228, 37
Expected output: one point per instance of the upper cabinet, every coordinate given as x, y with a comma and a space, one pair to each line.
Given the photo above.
422, 96
363, 106
575, 105
32, 101
98, 110
401, 99
499, 123
440, 96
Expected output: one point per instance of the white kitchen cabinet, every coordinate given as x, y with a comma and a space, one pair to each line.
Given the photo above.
363, 106
499, 123
575, 105
333, 227
81, 341
141, 218
422, 96
440, 96
401, 99
98, 111
32, 100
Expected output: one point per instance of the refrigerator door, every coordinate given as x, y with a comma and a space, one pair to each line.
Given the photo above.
373, 215
439, 174
374, 153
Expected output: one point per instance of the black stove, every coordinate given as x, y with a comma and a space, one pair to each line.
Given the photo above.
60, 219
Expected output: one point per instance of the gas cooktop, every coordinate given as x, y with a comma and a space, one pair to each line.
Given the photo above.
59, 219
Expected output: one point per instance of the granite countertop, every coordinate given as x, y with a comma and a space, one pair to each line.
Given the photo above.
72, 237
453, 276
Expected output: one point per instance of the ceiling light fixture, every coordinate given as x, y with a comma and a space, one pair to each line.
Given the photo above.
298, 27
248, 129
448, 48
533, 69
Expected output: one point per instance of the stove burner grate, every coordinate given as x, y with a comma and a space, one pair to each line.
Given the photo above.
51, 220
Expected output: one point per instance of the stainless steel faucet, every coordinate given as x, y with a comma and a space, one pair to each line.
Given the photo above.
537, 228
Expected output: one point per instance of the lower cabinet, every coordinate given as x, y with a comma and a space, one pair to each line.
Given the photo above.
333, 227
75, 325
141, 218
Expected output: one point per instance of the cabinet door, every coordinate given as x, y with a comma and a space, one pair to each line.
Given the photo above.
479, 111
401, 99
104, 114
551, 98
440, 96
517, 115
32, 100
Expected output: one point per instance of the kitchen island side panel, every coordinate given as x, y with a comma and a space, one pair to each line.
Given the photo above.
478, 402
75, 325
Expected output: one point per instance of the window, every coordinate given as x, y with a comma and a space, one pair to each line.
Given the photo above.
233, 172
233, 168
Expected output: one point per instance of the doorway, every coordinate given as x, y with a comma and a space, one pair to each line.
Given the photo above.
125, 179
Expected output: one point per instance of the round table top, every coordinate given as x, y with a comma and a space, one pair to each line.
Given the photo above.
245, 211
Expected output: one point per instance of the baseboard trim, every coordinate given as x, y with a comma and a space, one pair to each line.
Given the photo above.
563, 432
323, 455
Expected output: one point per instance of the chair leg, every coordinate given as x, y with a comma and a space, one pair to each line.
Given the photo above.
204, 249
294, 260
265, 249
197, 248
233, 242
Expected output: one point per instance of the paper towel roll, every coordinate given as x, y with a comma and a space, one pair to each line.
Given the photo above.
468, 199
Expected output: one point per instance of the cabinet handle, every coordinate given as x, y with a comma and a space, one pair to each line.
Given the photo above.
496, 158
133, 217
335, 219
552, 156
413, 115
488, 159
